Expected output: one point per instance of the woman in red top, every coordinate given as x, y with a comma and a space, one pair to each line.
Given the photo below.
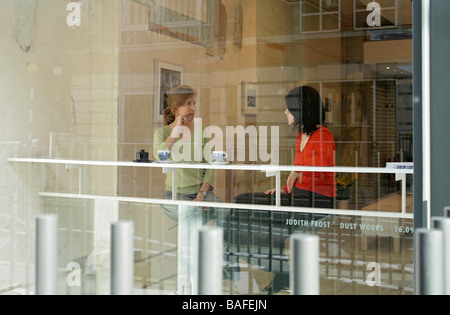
314, 147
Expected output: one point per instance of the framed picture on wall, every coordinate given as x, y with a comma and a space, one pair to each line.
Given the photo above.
249, 98
166, 77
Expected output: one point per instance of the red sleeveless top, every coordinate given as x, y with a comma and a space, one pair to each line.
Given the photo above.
318, 151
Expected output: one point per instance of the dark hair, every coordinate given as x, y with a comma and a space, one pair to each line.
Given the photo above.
177, 97
305, 105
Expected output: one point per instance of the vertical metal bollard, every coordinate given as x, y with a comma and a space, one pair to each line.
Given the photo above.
46, 254
304, 275
447, 212
443, 224
429, 262
210, 260
122, 258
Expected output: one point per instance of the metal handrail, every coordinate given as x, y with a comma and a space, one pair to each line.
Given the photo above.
231, 166
269, 169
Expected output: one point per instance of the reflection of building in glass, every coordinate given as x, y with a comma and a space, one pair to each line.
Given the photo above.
99, 94
358, 56
362, 72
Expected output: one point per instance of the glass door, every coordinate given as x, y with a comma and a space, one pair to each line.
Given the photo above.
86, 89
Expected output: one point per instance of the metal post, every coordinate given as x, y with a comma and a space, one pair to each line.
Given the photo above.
122, 258
429, 262
46, 254
304, 276
210, 257
447, 212
443, 224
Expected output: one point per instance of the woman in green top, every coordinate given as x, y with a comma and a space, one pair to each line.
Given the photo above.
192, 184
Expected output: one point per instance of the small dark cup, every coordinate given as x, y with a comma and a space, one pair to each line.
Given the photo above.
142, 156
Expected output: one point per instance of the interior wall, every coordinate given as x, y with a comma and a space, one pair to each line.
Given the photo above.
58, 86
217, 78
263, 46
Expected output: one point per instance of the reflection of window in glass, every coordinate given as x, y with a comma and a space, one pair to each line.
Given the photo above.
188, 20
319, 16
388, 13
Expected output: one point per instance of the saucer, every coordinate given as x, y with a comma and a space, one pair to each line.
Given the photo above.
138, 161
219, 163
168, 161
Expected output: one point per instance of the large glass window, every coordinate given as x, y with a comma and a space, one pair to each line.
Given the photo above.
85, 86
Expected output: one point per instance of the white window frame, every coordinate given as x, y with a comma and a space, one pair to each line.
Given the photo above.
321, 14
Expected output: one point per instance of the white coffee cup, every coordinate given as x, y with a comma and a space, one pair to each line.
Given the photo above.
219, 156
164, 155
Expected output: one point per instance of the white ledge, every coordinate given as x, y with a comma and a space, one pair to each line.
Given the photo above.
362, 213
230, 166
271, 170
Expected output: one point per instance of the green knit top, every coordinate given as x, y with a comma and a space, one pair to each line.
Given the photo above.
189, 181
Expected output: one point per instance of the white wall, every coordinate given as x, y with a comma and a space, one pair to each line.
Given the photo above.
65, 84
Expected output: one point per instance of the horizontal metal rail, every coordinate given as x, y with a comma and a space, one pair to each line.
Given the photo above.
231, 166
226, 205
271, 170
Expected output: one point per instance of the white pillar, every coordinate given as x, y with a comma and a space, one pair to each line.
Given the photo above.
210, 257
304, 276
122, 258
46, 254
